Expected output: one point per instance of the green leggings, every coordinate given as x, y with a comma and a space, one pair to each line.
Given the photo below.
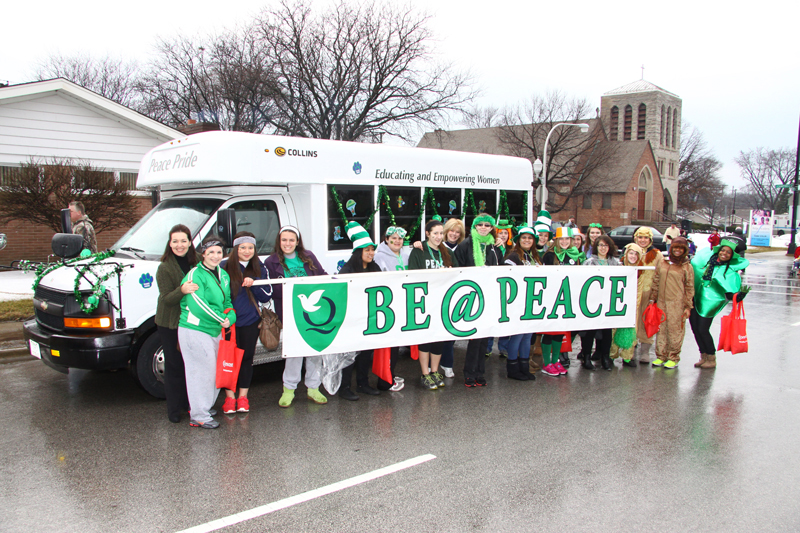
551, 348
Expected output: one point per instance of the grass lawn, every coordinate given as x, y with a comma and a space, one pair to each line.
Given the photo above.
15, 310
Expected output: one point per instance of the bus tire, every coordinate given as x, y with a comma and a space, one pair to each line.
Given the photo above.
150, 367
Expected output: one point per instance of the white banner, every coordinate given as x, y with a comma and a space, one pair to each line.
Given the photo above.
335, 314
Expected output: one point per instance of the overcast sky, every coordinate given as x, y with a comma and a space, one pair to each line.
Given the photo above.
735, 65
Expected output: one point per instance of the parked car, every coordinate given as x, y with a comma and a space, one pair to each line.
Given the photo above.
623, 235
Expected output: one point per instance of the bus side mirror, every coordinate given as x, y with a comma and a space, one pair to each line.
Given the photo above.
66, 222
67, 245
226, 226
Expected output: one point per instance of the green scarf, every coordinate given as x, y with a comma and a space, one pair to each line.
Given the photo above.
479, 245
572, 252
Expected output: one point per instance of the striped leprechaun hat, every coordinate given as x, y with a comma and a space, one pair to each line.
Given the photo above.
564, 232
358, 235
544, 222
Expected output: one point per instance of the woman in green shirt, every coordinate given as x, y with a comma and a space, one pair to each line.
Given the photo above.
292, 260
433, 255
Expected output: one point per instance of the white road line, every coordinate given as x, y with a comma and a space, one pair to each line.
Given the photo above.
306, 496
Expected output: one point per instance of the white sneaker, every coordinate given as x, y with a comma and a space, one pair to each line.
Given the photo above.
398, 379
398, 385
448, 372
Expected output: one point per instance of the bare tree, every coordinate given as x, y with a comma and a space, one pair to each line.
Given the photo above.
573, 158
40, 189
699, 184
224, 79
482, 117
356, 71
764, 169
109, 77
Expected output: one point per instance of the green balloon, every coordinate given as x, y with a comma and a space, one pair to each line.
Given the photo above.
93, 299
86, 252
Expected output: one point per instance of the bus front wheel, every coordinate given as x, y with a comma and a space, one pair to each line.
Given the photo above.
150, 366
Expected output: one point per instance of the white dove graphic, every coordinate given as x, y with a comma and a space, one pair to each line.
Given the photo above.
310, 302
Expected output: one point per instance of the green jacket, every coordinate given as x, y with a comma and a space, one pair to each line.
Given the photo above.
709, 295
168, 279
204, 309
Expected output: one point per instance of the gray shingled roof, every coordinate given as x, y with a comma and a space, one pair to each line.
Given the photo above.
639, 86
615, 176
480, 140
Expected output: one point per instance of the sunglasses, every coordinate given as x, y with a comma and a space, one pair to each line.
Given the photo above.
483, 225
391, 230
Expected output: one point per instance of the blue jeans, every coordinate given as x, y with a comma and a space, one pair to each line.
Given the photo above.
502, 345
447, 354
519, 346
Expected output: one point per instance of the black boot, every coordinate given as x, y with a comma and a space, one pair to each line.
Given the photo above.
606, 361
563, 358
596, 356
525, 368
512, 367
587, 362
346, 394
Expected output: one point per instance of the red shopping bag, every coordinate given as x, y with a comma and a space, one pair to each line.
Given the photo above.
653, 317
414, 353
725, 333
566, 344
382, 364
738, 334
229, 360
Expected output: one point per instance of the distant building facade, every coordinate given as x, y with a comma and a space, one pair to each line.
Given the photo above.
638, 182
59, 119
644, 111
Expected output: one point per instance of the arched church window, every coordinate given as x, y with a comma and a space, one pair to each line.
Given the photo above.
674, 127
614, 129
626, 134
641, 118
663, 118
669, 124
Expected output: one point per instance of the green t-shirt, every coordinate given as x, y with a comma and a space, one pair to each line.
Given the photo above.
295, 268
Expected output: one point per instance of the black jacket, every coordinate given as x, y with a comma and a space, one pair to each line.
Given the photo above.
464, 256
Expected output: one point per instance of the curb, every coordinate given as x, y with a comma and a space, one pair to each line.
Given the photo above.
15, 355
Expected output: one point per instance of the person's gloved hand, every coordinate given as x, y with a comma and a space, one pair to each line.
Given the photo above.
739, 296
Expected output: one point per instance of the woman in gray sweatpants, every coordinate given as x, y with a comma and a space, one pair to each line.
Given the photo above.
204, 314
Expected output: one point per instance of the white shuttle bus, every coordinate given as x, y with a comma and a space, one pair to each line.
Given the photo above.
222, 182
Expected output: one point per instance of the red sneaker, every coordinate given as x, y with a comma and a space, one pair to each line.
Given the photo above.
229, 406
560, 368
243, 405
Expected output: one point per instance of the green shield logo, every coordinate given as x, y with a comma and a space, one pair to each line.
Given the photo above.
319, 310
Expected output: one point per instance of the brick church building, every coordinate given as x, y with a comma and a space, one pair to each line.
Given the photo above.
637, 136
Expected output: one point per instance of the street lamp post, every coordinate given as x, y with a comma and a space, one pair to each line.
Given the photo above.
584, 128
793, 232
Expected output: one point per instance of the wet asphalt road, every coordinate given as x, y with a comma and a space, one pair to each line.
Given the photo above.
627, 450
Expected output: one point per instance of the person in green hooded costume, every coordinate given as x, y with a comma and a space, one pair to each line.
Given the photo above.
716, 281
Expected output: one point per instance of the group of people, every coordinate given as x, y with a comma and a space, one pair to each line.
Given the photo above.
202, 294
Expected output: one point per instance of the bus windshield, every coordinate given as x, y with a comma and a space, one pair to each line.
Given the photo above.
148, 238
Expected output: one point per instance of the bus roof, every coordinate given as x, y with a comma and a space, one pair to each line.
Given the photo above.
225, 157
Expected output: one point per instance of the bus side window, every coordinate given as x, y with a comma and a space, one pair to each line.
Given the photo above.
259, 217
